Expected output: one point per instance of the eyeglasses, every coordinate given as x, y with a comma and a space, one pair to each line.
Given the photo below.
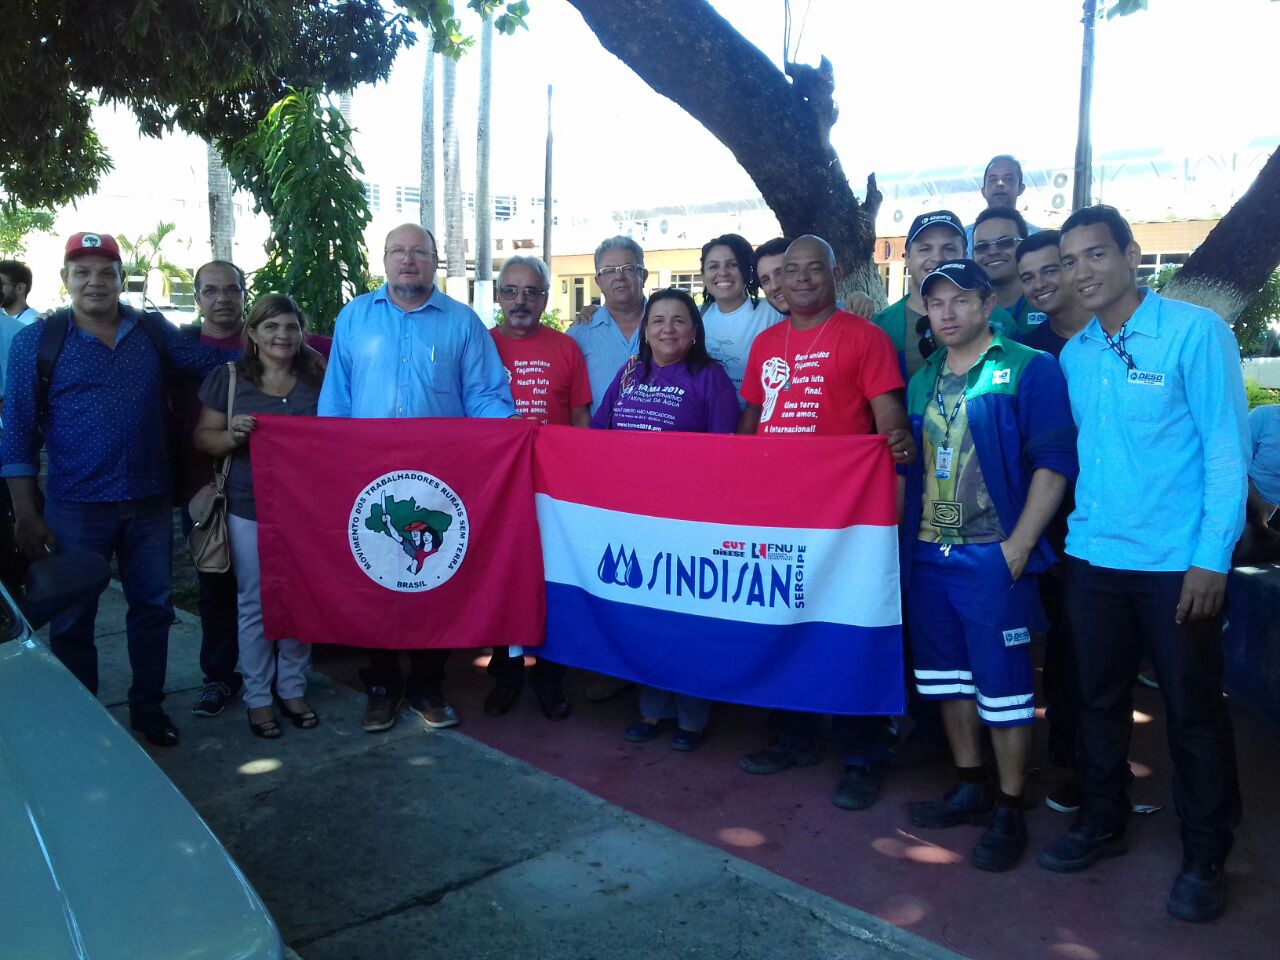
627, 270
417, 253
522, 293
1004, 244
927, 343
231, 293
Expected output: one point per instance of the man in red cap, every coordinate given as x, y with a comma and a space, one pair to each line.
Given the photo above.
88, 383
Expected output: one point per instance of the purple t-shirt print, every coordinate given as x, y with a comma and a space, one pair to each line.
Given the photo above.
670, 399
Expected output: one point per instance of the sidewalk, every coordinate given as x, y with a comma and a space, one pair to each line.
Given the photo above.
424, 844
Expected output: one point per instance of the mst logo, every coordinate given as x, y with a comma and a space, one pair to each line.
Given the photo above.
408, 531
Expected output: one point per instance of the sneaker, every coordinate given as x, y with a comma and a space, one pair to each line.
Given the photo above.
434, 709
501, 699
1081, 847
606, 688
1199, 892
214, 698
1064, 799
156, 726
1000, 846
642, 731
380, 709
780, 754
963, 803
858, 789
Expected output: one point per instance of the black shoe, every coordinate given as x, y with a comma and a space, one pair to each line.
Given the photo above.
1081, 847
501, 699
963, 803
156, 726
858, 789
213, 699
1064, 799
1000, 846
913, 751
1199, 892
642, 731
552, 701
780, 754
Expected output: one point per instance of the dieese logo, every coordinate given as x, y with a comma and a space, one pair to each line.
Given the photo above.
408, 531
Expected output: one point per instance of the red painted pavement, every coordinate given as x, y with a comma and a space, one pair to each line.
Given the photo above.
877, 862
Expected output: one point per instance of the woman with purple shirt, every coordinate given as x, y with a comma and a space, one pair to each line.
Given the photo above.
672, 385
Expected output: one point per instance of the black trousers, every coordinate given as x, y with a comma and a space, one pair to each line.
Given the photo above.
219, 626
426, 670
504, 668
1115, 616
1061, 694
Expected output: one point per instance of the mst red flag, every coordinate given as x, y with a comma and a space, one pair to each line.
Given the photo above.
398, 533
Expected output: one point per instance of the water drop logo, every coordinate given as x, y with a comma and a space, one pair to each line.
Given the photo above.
620, 568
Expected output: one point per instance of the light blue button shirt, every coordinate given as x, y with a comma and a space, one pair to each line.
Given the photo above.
435, 361
1264, 430
605, 350
1164, 449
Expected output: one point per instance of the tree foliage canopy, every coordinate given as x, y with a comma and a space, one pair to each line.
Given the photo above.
210, 67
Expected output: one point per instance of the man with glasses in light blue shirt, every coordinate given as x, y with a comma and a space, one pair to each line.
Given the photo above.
1158, 398
407, 350
612, 336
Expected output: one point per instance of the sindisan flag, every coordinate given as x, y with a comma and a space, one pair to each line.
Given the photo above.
754, 570
398, 533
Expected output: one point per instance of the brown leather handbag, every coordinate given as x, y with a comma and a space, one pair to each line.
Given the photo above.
208, 540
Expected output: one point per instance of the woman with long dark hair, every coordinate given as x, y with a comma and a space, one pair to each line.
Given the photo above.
673, 385
275, 375
737, 312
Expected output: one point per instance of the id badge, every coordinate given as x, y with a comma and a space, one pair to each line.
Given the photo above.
948, 514
942, 463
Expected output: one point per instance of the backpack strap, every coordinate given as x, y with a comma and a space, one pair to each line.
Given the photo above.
56, 326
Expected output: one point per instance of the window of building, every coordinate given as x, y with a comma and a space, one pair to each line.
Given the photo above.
504, 206
690, 282
407, 197
1153, 263
373, 193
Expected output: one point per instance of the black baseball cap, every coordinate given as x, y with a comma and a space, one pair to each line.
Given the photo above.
965, 274
938, 218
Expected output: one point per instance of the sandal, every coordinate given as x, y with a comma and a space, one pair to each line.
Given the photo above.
268, 729
304, 720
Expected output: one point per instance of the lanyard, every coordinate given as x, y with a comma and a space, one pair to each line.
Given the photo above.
942, 410
1117, 346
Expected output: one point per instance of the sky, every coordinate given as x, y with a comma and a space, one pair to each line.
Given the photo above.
1005, 80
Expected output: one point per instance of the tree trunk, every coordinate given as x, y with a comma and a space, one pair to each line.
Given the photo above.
727, 84
455, 241
427, 181
1240, 252
222, 212
483, 298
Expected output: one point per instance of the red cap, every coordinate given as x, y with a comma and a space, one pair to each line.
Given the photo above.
92, 244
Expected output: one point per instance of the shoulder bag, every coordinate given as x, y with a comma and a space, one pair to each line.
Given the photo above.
208, 541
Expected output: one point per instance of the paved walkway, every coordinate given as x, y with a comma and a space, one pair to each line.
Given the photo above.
415, 844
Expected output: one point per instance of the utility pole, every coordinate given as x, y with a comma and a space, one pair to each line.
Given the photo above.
1083, 186
546, 192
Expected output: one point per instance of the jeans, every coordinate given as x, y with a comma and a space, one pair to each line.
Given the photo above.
140, 535
1115, 616
692, 713
218, 646
283, 662
508, 669
426, 670
1061, 697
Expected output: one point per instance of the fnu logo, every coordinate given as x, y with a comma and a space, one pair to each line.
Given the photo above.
620, 568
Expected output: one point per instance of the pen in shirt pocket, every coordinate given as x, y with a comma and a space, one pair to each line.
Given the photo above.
433, 353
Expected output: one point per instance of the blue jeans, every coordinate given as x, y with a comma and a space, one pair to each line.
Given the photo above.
140, 534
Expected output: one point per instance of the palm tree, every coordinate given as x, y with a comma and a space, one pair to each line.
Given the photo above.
222, 212
455, 241
483, 300
427, 183
145, 256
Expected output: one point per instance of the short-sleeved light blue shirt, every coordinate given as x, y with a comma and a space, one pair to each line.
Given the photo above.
1164, 447
435, 361
1264, 431
605, 350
